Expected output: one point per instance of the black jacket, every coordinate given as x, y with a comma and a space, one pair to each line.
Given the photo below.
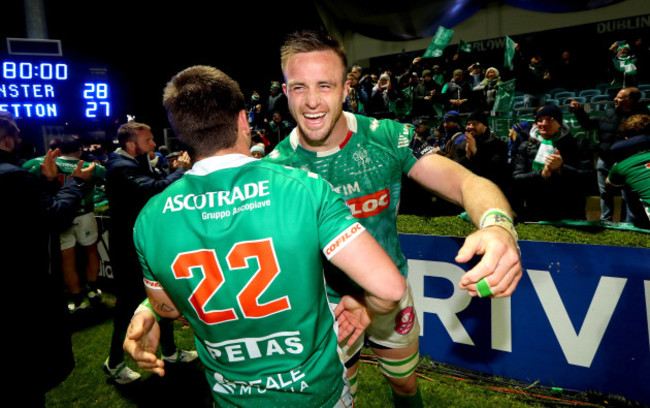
130, 183
490, 160
608, 127
34, 211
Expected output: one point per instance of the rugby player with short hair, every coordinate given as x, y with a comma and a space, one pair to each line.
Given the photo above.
248, 278
364, 158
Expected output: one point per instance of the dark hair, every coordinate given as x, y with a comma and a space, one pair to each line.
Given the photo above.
7, 124
202, 105
70, 144
129, 131
309, 41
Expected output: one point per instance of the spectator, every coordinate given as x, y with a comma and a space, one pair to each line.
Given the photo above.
83, 230
442, 134
130, 182
276, 130
357, 97
535, 78
34, 210
402, 106
489, 87
457, 93
631, 171
453, 135
626, 104
518, 133
475, 74
438, 75
550, 170
383, 94
276, 102
425, 95
419, 144
485, 154
624, 66
256, 117
257, 150
366, 80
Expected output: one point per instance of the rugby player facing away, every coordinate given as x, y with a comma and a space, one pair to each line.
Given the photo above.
245, 265
364, 159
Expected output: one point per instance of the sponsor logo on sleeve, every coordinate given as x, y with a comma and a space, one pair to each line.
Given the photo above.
342, 240
152, 284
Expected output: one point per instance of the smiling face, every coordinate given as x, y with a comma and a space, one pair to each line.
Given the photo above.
316, 89
547, 126
475, 128
622, 101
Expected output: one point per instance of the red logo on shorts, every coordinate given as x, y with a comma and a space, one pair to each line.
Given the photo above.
404, 321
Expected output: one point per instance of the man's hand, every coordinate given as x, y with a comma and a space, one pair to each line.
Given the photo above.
500, 264
141, 342
574, 104
554, 162
352, 317
49, 170
470, 148
83, 173
183, 161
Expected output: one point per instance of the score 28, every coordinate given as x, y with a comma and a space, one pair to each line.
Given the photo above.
97, 99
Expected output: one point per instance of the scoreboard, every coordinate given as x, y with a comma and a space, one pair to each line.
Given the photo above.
49, 88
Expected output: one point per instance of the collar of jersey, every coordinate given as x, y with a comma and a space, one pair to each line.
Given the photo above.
214, 163
352, 128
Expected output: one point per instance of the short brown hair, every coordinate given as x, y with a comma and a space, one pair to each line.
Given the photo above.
636, 125
306, 41
129, 131
202, 105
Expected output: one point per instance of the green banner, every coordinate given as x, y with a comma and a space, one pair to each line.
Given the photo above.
509, 53
439, 42
505, 97
464, 47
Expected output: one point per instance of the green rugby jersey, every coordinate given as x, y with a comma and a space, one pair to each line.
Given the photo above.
634, 172
236, 243
366, 169
66, 166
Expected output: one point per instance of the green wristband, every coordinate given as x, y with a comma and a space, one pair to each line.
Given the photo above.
483, 288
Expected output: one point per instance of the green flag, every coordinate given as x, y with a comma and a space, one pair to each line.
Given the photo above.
464, 47
439, 42
509, 53
505, 97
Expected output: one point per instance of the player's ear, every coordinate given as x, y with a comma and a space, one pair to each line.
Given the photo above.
242, 120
